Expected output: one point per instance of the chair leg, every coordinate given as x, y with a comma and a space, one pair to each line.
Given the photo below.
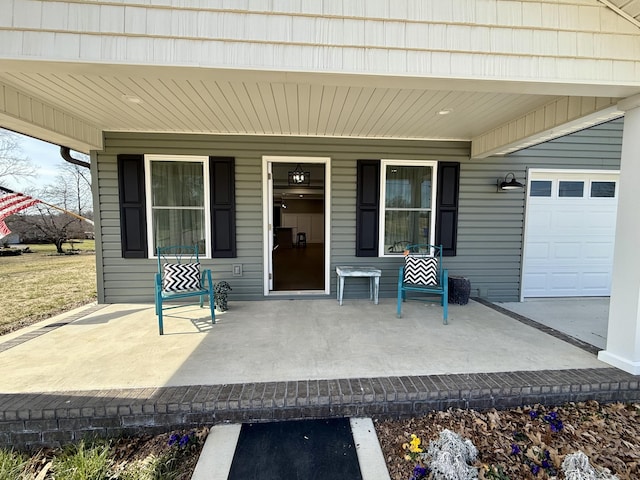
159, 310
212, 298
445, 298
400, 292
212, 308
445, 308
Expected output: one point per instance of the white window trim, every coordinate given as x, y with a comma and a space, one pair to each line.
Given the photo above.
207, 204
434, 191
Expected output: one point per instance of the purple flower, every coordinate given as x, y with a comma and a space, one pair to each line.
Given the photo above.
557, 426
419, 472
533, 414
184, 440
535, 469
546, 465
515, 449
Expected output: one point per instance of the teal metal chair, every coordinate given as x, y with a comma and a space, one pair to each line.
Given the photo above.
422, 272
179, 276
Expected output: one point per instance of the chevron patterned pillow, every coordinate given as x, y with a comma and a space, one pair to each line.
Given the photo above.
420, 270
178, 277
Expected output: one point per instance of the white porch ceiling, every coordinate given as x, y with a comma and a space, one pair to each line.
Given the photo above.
192, 100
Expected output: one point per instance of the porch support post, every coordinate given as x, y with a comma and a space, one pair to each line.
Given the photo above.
623, 335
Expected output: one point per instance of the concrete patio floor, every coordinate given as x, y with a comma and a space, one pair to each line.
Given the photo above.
103, 370
118, 346
584, 318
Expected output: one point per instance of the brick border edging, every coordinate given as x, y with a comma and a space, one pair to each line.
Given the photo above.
53, 419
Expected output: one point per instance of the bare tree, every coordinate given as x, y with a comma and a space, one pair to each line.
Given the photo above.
47, 225
70, 192
14, 164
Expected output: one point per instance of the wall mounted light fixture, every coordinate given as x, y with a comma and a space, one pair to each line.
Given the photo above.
505, 184
299, 176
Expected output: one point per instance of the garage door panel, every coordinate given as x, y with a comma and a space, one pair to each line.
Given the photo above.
539, 219
536, 283
568, 248
539, 251
603, 221
596, 282
563, 251
563, 280
567, 220
599, 251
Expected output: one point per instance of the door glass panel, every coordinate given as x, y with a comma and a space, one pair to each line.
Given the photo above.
571, 189
540, 188
603, 189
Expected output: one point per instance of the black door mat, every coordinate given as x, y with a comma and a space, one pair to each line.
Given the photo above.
304, 449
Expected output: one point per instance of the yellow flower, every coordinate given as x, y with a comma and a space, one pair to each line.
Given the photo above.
415, 444
407, 457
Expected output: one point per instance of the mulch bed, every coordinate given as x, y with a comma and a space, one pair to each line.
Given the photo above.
517, 439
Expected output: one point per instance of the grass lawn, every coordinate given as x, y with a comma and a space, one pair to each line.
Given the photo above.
41, 284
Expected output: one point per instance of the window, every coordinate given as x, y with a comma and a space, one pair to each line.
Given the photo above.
178, 202
409, 196
571, 189
603, 189
540, 188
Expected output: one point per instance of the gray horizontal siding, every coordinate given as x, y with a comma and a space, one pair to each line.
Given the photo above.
132, 280
490, 224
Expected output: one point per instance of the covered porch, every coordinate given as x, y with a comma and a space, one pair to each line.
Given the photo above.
118, 346
104, 370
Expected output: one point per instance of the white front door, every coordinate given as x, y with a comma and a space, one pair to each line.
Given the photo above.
296, 219
569, 233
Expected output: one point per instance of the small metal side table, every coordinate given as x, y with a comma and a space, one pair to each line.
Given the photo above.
371, 272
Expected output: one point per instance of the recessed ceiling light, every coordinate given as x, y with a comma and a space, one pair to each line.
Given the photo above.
445, 111
132, 99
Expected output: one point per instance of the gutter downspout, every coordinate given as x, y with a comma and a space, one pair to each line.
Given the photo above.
65, 153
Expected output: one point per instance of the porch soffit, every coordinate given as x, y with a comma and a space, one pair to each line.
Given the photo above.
73, 104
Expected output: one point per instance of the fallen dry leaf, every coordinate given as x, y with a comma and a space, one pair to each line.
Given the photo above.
609, 434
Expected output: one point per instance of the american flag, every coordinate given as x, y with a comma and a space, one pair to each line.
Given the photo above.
12, 202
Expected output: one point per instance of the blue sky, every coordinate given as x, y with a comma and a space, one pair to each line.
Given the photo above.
46, 158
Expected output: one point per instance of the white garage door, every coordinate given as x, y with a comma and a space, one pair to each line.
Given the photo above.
570, 230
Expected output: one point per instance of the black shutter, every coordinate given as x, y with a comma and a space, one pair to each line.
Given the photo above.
133, 218
367, 208
223, 206
447, 207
